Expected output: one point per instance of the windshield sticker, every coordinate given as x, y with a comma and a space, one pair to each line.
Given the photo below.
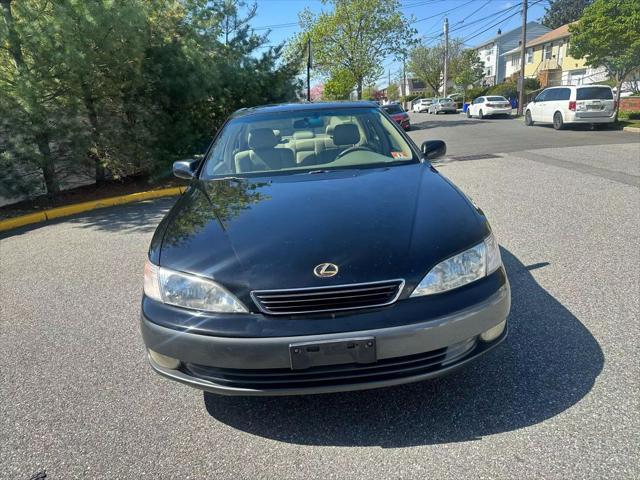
401, 155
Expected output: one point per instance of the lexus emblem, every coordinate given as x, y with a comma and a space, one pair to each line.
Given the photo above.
325, 270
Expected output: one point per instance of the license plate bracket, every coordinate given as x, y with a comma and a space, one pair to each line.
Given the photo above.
314, 354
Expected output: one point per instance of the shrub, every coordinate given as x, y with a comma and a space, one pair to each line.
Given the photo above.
474, 93
629, 115
506, 89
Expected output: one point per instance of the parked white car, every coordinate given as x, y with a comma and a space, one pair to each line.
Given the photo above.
489, 106
559, 106
421, 105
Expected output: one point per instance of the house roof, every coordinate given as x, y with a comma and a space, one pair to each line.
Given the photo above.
497, 37
559, 32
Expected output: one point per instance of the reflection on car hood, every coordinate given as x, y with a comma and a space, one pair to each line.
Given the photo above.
375, 224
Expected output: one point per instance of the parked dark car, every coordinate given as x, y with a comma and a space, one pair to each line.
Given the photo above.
316, 250
397, 113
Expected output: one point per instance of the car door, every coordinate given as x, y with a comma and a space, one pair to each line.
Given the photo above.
550, 104
537, 106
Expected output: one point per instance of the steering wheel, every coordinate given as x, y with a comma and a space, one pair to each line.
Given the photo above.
355, 148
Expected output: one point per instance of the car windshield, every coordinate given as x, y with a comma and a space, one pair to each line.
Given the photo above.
594, 93
392, 109
445, 100
496, 99
306, 141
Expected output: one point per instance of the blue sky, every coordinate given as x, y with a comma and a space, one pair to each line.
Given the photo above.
488, 15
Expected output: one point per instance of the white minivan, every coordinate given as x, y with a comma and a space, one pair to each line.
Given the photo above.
572, 104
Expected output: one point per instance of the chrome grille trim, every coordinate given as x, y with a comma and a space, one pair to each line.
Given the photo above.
391, 290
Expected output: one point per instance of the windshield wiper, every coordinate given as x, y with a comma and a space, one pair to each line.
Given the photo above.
320, 170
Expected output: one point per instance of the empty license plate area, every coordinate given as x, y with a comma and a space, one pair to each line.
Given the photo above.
315, 354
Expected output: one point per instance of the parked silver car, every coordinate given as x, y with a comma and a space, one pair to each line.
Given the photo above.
444, 105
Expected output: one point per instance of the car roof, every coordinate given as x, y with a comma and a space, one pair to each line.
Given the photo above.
302, 107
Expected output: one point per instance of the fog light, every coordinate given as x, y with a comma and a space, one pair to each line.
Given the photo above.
493, 332
164, 361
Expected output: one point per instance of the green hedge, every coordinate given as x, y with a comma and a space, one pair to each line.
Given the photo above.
633, 115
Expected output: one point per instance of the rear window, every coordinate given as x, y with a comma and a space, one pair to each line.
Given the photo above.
594, 93
496, 99
392, 109
445, 100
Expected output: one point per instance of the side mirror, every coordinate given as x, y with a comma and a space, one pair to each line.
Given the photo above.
433, 149
185, 169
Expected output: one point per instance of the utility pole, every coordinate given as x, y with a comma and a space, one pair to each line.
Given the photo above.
404, 79
309, 69
446, 56
523, 48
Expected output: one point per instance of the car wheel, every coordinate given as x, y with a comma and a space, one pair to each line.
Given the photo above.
480, 116
468, 113
558, 124
528, 121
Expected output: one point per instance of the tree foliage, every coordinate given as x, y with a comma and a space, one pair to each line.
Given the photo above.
108, 88
355, 37
561, 12
427, 63
608, 35
339, 85
469, 69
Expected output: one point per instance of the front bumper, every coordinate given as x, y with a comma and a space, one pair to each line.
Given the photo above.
262, 366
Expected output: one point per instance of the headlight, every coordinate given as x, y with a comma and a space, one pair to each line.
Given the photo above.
466, 267
188, 291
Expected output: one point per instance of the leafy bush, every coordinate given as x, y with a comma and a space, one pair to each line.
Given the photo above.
629, 115
506, 89
475, 92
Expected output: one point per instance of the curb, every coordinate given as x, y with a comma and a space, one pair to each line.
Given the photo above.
68, 210
631, 129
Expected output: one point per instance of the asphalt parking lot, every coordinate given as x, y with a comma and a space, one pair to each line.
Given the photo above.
559, 399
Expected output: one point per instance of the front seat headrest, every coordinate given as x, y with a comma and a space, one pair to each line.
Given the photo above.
262, 138
346, 134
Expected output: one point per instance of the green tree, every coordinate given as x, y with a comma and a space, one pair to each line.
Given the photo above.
393, 92
339, 85
356, 36
608, 35
469, 70
427, 63
561, 12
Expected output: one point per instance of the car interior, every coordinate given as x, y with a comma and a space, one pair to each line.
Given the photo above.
295, 143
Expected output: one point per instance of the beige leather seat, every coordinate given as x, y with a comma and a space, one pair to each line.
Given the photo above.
262, 155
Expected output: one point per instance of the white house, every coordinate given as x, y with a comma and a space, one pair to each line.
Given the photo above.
490, 52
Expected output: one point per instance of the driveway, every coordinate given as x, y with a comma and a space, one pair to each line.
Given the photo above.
559, 399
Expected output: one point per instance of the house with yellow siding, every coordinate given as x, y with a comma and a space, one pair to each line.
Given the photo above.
547, 59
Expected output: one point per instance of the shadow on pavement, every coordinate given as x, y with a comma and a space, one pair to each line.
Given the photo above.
130, 218
548, 363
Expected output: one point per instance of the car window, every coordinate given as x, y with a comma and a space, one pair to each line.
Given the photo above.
552, 95
479, 100
594, 93
563, 93
543, 96
264, 144
392, 109
496, 99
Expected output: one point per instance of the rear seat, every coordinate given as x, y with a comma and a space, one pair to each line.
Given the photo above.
311, 149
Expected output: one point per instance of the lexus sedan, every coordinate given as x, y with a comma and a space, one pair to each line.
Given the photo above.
317, 250
398, 115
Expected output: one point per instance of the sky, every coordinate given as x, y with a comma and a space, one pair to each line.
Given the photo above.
281, 16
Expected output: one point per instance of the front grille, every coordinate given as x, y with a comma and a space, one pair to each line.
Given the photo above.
353, 373
328, 299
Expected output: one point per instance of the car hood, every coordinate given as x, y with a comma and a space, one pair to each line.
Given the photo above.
375, 224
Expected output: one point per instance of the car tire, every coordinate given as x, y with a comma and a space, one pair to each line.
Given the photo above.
558, 124
528, 121
480, 115
468, 113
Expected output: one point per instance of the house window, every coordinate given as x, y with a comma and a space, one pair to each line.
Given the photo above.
514, 60
529, 55
546, 51
489, 71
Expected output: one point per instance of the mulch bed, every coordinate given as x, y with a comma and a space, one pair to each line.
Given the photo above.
86, 193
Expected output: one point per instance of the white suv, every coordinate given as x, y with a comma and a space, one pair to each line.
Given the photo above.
571, 104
